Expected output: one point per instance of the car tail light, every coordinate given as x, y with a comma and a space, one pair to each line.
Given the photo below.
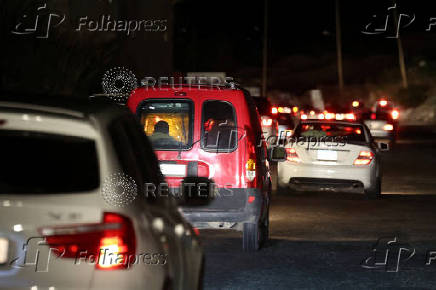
267, 122
373, 116
109, 245
350, 116
330, 116
364, 158
303, 117
295, 109
274, 110
355, 104
292, 156
250, 169
382, 103
321, 116
340, 116
388, 127
395, 114
196, 231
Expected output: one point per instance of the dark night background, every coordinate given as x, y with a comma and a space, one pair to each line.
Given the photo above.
223, 36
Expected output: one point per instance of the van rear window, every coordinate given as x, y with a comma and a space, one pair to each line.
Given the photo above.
219, 127
34, 162
168, 123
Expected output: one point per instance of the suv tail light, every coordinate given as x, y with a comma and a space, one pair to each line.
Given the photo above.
292, 156
109, 245
364, 158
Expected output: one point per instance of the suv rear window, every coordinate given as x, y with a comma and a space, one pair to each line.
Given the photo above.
347, 132
34, 162
168, 123
219, 126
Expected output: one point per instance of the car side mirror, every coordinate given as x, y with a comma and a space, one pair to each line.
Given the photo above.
383, 146
277, 154
197, 191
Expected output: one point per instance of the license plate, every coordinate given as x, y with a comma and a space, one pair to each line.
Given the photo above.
327, 155
4, 245
176, 170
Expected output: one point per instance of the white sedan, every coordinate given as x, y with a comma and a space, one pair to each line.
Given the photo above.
332, 155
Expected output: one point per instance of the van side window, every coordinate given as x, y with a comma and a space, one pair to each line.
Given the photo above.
219, 127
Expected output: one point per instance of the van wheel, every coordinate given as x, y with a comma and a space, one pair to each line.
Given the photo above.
375, 191
251, 237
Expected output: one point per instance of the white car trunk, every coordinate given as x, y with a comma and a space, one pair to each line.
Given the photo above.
329, 155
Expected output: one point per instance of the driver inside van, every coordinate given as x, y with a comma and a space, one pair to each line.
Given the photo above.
161, 133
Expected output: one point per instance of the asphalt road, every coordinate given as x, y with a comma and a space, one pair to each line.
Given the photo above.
329, 241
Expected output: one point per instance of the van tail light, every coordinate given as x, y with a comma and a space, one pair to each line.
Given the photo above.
267, 122
109, 244
364, 158
388, 127
292, 156
250, 169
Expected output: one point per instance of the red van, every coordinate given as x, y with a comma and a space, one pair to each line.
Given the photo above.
211, 132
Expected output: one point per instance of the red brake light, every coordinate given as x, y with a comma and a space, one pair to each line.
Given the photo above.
251, 198
373, 116
292, 156
364, 158
109, 245
274, 110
